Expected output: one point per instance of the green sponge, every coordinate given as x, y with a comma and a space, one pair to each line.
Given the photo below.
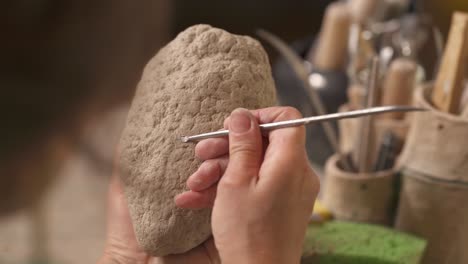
352, 243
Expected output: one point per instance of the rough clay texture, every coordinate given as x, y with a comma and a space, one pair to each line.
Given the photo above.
189, 87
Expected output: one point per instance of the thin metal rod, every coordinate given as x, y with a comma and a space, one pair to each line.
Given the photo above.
309, 120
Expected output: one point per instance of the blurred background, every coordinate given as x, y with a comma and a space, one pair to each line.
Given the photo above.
68, 225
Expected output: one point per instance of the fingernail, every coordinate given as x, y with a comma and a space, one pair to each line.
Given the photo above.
240, 121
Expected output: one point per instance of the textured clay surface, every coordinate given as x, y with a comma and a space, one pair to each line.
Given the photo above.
189, 87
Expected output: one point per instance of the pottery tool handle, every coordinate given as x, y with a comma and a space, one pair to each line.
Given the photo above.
363, 10
399, 85
360, 49
356, 96
364, 142
448, 87
332, 48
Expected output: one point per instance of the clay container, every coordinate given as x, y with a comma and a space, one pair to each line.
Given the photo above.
368, 198
433, 201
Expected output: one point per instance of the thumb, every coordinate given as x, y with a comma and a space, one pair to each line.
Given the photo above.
245, 148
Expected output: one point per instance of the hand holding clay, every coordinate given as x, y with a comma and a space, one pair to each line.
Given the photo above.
267, 187
121, 243
188, 87
266, 193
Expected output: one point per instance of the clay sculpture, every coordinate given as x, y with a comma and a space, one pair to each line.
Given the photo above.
189, 87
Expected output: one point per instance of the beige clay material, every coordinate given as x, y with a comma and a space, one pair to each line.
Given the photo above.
189, 87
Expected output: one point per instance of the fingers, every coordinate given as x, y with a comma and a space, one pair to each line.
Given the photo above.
245, 149
196, 200
277, 114
284, 136
202, 185
215, 147
120, 240
207, 174
212, 148
286, 148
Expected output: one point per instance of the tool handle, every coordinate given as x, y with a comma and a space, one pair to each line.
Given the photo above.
363, 10
399, 85
332, 47
448, 87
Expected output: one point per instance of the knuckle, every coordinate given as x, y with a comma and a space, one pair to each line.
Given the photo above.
214, 166
290, 113
228, 183
243, 149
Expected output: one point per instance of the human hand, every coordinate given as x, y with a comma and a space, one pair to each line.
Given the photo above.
122, 246
262, 189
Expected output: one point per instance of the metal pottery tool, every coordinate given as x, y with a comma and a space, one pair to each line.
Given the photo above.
309, 120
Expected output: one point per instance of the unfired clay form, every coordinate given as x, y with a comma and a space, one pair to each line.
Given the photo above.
189, 87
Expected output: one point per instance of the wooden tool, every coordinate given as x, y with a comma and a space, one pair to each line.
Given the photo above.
449, 83
363, 10
356, 96
364, 143
332, 49
360, 48
399, 85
